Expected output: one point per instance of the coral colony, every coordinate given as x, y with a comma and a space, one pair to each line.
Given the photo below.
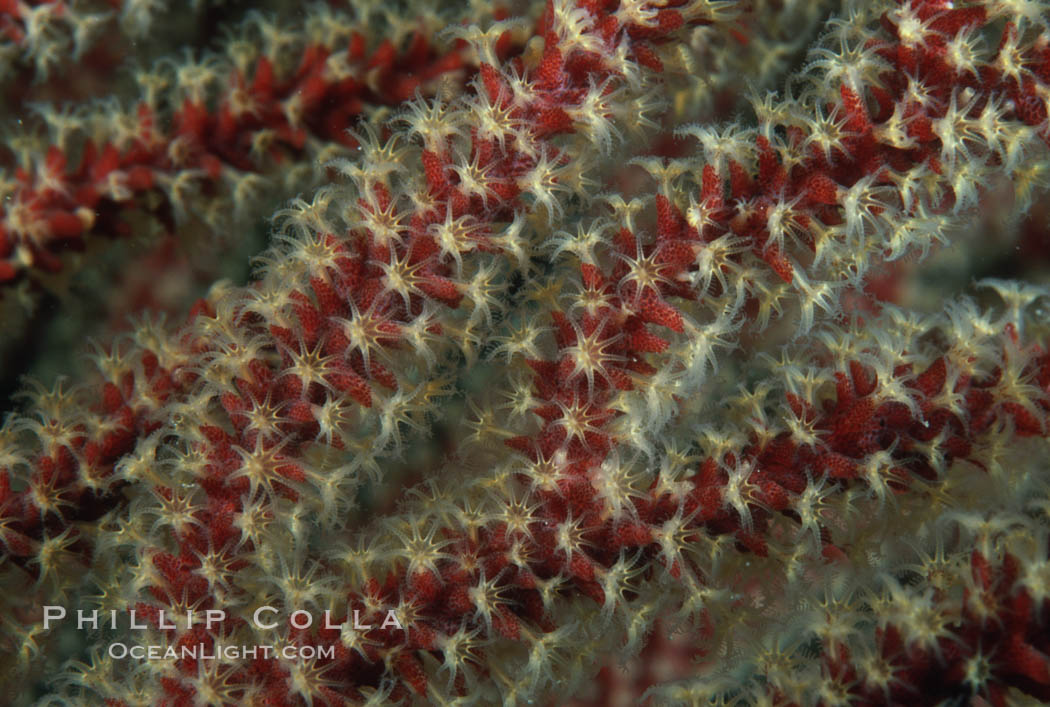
665, 352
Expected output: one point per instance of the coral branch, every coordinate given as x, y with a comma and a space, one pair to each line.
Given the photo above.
687, 399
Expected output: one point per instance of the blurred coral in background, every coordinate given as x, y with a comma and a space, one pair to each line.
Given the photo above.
626, 352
